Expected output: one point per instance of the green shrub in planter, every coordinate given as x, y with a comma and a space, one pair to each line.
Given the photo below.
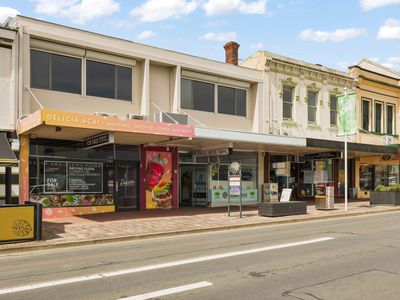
381, 188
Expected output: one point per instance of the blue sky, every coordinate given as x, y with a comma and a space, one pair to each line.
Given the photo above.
333, 33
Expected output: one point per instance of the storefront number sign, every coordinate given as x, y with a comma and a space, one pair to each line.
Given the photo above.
72, 177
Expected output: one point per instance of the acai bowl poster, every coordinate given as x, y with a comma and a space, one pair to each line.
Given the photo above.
158, 172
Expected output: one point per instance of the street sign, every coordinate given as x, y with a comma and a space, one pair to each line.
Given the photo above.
235, 184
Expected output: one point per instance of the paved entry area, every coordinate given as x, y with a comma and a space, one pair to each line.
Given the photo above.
81, 229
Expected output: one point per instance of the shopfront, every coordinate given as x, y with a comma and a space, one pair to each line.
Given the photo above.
302, 173
77, 164
65, 174
376, 170
204, 177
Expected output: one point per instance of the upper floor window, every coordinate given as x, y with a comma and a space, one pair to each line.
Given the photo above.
56, 72
312, 106
390, 117
333, 106
108, 80
365, 114
231, 101
197, 95
378, 117
287, 97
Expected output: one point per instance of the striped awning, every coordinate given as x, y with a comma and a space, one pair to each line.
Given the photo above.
7, 156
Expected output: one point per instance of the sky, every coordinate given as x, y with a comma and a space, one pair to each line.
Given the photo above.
334, 33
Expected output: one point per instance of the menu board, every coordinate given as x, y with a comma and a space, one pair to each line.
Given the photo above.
73, 177
55, 177
85, 177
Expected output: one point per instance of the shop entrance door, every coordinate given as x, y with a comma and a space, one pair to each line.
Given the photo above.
193, 185
126, 185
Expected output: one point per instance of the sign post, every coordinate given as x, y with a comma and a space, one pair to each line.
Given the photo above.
347, 126
235, 185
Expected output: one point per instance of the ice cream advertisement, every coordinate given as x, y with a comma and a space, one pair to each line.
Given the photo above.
159, 188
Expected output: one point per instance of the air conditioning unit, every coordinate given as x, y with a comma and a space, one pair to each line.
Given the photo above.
105, 114
171, 118
134, 117
387, 140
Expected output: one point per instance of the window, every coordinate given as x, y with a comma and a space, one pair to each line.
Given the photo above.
108, 81
365, 114
333, 102
390, 119
378, 117
231, 101
287, 101
55, 72
197, 95
312, 106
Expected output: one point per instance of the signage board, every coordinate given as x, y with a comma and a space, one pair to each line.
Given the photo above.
323, 155
98, 140
17, 223
285, 196
212, 152
62, 177
55, 177
347, 114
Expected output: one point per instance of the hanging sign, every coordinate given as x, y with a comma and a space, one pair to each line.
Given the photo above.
98, 140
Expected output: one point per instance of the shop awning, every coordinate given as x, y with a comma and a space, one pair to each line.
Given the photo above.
7, 156
356, 147
58, 124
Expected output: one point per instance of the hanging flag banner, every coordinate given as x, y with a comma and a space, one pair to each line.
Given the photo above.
347, 114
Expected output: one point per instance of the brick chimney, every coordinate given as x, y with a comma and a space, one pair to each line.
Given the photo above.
231, 53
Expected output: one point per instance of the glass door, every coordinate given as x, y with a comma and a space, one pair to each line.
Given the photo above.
126, 185
200, 185
186, 185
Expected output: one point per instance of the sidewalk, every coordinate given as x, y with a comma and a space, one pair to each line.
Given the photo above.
80, 230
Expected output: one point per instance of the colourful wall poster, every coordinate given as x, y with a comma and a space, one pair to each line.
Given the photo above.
159, 174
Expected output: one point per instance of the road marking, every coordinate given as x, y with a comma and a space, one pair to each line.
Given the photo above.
157, 266
175, 290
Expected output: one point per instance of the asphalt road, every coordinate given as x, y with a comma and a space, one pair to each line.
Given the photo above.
345, 258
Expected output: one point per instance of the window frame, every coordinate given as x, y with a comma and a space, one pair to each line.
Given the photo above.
382, 104
83, 66
293, 88
216, 97
369, 113
115, 79
315, 107
388, 104
235, 88
331, 110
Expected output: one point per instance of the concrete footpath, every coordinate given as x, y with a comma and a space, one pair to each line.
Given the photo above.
100, 228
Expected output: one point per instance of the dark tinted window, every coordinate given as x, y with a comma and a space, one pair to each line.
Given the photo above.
100, 79
124, 83
231, 101
197, 95
365, 115
389, 120
40, 69
108, 81
66, 74
378, 117
287, 101
312, 106
55, 72
333, 109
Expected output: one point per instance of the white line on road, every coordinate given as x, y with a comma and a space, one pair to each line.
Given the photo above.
157, 266
175, 290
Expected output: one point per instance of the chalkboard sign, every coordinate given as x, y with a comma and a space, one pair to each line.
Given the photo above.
85, 177
55, 177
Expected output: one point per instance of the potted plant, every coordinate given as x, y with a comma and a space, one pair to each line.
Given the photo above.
386, 195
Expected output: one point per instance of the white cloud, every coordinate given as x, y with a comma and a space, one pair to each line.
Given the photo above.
146, 34
257, 46
372, 4
392, 62
222, 7
6, 12
220, 37
338, 35
390, 30
155, 10
78, 11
